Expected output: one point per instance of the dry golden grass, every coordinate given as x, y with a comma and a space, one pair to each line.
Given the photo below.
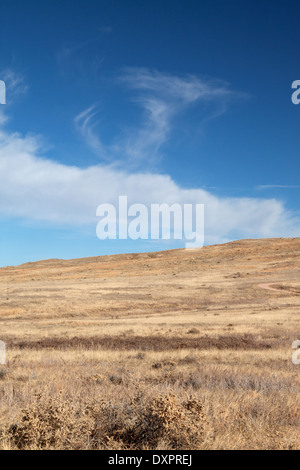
174, 350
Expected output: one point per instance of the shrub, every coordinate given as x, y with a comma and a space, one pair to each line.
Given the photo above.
54, 423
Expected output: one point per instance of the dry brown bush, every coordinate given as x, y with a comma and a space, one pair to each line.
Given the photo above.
179, 424
52, 423
55, 423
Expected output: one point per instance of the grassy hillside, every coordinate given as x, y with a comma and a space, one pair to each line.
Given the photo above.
177, 349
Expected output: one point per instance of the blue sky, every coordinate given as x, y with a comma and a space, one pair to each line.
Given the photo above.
163, 101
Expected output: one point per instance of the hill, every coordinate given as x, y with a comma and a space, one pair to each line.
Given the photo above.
216, 323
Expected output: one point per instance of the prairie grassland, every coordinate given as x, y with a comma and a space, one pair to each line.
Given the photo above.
174, 350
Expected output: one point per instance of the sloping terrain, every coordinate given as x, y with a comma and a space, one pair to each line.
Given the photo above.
233, 279
217, 323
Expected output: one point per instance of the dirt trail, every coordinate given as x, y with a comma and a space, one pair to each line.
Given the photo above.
267, 286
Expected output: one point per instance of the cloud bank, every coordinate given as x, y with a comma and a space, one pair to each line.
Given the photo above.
34, 187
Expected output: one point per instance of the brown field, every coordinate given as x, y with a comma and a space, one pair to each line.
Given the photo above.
170, 350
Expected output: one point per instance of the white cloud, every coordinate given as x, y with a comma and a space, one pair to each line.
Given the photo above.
36, 188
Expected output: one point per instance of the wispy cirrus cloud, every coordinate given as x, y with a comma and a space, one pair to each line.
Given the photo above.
277, 186
85, 123
162, 98
15, 84
180, 90
71, 55
105, 29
